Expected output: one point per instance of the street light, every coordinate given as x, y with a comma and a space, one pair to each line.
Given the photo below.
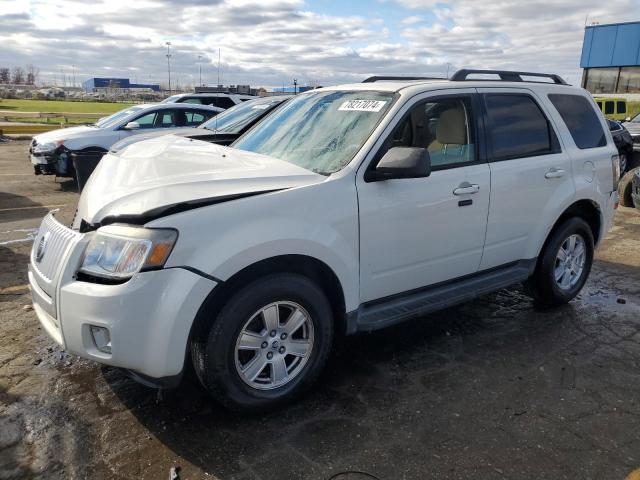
200, 68
168, 44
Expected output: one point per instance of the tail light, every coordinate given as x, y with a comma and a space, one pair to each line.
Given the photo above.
615, 170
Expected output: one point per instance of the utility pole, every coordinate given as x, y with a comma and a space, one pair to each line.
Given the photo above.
295, 86
200, 69
448, 65
169, 63
218, 68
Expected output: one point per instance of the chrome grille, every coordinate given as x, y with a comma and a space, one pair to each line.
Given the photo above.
53, 240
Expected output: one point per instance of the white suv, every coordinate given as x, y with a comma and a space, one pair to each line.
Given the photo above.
349, 209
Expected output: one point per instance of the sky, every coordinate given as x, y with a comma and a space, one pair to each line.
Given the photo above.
318, 42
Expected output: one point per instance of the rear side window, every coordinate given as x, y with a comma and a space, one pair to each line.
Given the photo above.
608, 108
622, 107
222, 102
517, 127
581, 120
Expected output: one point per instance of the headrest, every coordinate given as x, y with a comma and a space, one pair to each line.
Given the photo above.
452, 129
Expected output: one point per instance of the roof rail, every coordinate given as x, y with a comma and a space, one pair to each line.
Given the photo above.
507, 76
381, 78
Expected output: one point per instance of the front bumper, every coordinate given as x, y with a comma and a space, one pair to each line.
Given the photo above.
149, 317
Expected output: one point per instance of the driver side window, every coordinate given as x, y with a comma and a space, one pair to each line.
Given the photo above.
146, 121
442, 126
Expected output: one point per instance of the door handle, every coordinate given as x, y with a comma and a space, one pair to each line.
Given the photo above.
554, 173
466, 188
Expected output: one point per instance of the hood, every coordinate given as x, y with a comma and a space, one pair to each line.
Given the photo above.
64, 134
183, 132
633, 127
170, 173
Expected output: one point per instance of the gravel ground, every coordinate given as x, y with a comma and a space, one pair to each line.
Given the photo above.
492, 389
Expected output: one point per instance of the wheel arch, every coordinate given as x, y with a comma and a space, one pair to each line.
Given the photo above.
310, 267
586, 209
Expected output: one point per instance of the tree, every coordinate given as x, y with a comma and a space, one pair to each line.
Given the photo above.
32, 74
18, 76
5, 75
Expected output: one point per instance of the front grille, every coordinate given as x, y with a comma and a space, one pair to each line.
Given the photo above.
53, 250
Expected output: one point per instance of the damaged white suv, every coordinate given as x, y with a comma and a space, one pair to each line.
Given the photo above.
349, 209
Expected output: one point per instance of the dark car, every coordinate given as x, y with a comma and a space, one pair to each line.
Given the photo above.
223, 129
624, 144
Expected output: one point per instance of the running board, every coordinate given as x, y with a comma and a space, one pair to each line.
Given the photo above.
404, 306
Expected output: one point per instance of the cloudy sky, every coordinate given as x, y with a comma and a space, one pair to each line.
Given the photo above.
270, 42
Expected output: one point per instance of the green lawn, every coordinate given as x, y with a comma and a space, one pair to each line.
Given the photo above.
60, 106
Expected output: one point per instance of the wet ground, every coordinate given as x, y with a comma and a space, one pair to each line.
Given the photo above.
492, 389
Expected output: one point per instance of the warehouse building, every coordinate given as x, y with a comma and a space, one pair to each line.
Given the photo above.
100, 84
611, 58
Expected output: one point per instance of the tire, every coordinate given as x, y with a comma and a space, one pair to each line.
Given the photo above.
225, 368
542, 284
624, 189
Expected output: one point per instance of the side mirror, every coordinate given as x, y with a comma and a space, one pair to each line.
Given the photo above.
132, 126
401, 162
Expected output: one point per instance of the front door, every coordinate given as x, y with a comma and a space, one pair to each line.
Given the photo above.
423, 231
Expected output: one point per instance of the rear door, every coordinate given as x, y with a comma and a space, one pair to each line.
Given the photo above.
531, 174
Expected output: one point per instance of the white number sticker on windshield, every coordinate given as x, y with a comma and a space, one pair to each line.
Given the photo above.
362, 106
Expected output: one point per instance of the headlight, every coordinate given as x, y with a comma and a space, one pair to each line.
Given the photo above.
47, 147
118, 252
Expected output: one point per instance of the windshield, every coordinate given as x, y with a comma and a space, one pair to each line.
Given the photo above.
636, 119
321, 131
171, 99
111, 120
234, 119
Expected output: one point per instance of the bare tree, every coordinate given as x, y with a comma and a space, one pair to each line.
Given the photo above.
18, 76
5, 75
32, 74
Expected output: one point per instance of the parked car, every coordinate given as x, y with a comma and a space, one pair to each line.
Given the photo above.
624, 143
222, 129
222, 100
50, 152
633, 126
349, 209
613, 108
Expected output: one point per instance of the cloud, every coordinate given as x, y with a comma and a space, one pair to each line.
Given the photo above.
271, 42
534, 35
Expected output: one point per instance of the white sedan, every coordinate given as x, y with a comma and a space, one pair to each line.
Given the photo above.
50, 152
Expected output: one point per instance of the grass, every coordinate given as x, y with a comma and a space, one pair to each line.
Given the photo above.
61, 106
101, 109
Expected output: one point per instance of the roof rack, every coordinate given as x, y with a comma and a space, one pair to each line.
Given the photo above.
382, 78
507, 76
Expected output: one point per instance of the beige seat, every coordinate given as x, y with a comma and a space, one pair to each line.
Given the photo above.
451, 144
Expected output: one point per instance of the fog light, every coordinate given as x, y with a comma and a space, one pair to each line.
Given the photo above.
101, 338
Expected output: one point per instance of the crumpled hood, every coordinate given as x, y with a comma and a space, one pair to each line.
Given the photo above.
164, 173
64, 134
181, 131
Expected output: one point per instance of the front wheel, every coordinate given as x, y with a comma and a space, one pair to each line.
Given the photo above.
564, 263
268, 343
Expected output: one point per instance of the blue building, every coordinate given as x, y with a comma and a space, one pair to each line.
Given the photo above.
94, 84
611, 58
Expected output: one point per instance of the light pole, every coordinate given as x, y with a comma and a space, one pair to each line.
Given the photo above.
448, 65
200, 69
295, 86
169, 63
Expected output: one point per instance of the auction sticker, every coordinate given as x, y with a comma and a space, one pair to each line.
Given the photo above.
362, 106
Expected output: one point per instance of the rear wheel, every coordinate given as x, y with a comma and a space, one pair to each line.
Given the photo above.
564, 264
268, 343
